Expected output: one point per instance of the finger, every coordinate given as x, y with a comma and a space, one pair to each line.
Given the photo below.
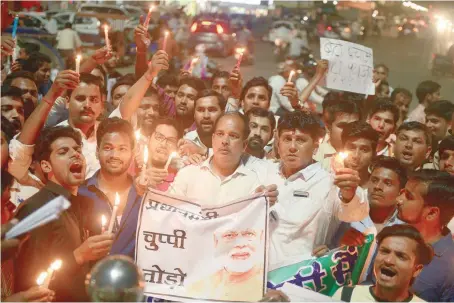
100, 238
101, 245
260, 189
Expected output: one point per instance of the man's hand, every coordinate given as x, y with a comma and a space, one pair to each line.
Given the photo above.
322, 67
102, 55
94, 248
67, 79
8, 45
16, 66
236, 82
160, 61
141, 37
34, 294
195, 159
347, 180
153, 177
289, 90
320, 251
187, 148
270, 191
352, 237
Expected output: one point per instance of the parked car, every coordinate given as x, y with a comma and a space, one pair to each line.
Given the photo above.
216, 35
81, 24
104, 9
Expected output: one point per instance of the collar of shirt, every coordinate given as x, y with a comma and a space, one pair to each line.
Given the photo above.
92, 135
305, 174
57, 189
240, 170
443, 245
194, 136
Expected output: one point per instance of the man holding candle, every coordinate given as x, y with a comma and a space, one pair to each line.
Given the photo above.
285, 94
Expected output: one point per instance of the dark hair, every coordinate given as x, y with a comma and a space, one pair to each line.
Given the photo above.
151, 91
20, 74
360, 129
384, 105
344, 106
104, 74
442, 109
8, 129
68, 25
330, 99
89, 79
391, 164
425, 88
303, 121
193, 82
13, 92
49, 135
446, 144
121, 82
256, 81
168, 79
383, 66
220, 74
211, 93
114, 125
246, 129
29, 47
424, 252
400, 90
165, 121
35, 61
418, 126
263, 113
440, 191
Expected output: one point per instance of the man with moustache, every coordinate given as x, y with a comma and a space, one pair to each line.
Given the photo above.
39, 65
413, 145
401, 255
427, 203
69, 238
383, 118
13, 107
446, 152
26, 83
261, 124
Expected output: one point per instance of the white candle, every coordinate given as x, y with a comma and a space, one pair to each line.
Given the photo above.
191, 66
339, 160
171, 156
241, 51
56, 265
103, 224
145, 158
78, 58
147, 20
106, 34
41, 278
164, 45
138, 135
114, 213
292, 73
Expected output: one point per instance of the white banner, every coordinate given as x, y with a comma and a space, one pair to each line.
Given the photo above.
188, 252
351, 66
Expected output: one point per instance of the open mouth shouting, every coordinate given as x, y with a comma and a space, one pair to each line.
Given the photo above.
407, 155
77, 169
386, 273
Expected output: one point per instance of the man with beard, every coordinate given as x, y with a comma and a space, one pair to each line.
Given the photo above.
187, 93
261, 124
359, 141
427, 203
413, 145
446, 152
402, 254
256, 93
220, 84
383, 117
13, 107
115, 141
39, 65
68, 238
26, 83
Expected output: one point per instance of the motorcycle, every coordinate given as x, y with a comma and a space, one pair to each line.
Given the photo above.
246, 57
442, 65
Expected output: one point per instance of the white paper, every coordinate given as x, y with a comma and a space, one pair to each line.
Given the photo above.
301, 294
351, 66
188, 252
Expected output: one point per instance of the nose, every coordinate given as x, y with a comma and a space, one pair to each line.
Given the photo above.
381, 124
254, 131
14, 114
378, 186
206, 115
389, 259
408, 144
255, 101
293, 148
149, 112
184, 101
225, 140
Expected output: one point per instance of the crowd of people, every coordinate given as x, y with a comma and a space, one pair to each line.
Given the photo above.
83, 136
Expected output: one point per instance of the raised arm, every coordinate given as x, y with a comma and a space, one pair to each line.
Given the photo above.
142, 41
322, 67
99, 57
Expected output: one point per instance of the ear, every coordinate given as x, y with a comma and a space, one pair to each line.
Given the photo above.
45, 166
418, 269
432, 213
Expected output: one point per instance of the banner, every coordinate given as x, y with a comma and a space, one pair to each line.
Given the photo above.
343, 266
191, 252
350, 68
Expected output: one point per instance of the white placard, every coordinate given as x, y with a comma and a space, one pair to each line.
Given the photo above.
188, 252
350, 66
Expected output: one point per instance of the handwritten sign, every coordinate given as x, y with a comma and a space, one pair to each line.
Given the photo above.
350, 66
186, 251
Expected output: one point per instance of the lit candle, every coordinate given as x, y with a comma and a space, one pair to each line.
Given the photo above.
241, 52
78, 58
138, 135
191, 66
339, 160
164, 45
15, 24
41, 278
103, 224
56, 265
106, 34
114, 213
171, 156
147, 20
292, 73
145, 158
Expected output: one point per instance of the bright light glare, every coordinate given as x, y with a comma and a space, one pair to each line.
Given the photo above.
442, 25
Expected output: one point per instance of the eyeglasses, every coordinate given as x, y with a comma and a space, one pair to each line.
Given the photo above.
168, 141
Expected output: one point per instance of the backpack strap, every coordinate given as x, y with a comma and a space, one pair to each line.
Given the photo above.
347, 292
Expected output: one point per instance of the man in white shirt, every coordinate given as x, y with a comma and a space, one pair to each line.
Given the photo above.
285, 96
383, 117
51, 25
68, 42
223, 177
312, 202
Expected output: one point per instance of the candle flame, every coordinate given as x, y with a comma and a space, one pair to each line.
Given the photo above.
194, 60
145, 154
343, 155
166, 33
173, 155
78, 57
103, 221
56, 265
292, 73
42, 276
138, 134
117, 199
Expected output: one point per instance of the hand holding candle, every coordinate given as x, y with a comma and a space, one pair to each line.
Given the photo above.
41, 278
15, 24
338, 161
113, 218
78, 58
290, 76
56, 265
103, 224
240, 51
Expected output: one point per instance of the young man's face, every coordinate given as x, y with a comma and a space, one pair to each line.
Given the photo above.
221, 85
4, 151
360, 154
437, 126
256, 96
228, 140
184, 101
383, 188
29, 89
85, 104
402, 101
171, 90
410, 203
383, 123
296, 148
118, 94
396, 263
147, 112
42, 75
207, 111
13, 111
340, 121
384, 91
433, 97
66, 165
163, 142
411, 148
447, 161
115, 153
260, 134
380, 73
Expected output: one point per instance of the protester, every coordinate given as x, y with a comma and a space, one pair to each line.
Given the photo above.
285, 95
170, 83
446, 152
39, 65
383, 90
401, 97
13, 107
383, 117
438, 118
26, 49
262, 125
427, 92
220, 84
119, 90
26, 82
